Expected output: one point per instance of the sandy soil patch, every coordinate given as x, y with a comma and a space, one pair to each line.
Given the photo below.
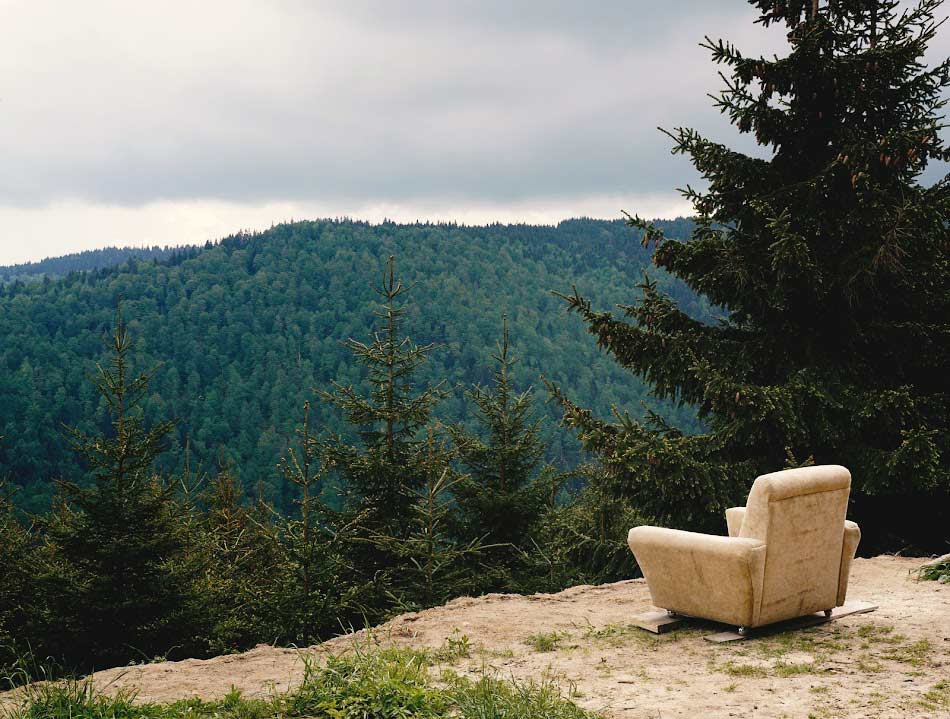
883, 664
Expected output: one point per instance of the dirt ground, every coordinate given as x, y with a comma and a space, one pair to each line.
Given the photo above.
889, 663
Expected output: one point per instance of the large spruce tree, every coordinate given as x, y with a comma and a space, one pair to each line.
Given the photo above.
828, 252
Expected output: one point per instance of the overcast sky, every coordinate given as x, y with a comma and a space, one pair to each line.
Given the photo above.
171, 122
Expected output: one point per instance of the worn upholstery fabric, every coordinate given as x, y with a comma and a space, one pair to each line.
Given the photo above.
852, 535
734, 517
701, 575
788, 553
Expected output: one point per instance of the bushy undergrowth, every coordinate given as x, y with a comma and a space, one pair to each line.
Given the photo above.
936, 570
364, 682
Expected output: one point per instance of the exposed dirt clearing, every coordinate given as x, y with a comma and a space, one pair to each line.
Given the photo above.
881, 664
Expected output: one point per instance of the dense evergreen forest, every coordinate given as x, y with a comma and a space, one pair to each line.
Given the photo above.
410, 455
244, 330
90, 260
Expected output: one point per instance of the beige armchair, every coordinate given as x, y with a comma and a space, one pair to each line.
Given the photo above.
788, 553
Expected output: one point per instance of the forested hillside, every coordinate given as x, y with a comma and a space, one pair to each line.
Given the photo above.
244, 330
90, 260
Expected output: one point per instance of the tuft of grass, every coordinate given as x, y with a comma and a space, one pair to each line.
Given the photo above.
379, 683
748, 671
363, 682
935, 570
787, 669
456, 646
880, 633
916, 654
937, 697
869, 664
546, 641
490, 697
608, 631
616, 635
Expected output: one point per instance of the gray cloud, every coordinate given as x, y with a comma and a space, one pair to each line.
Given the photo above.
180, 121
127, 103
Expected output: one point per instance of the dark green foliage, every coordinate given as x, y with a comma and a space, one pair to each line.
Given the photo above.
831, 259
382, 473
381, 520
433, 564
18, 590
935, 570
498, 499
243, 331
239, 572
302, 531
112, 582
314, 541
91, 260
583, 539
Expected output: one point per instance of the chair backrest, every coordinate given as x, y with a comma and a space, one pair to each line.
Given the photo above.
799, 514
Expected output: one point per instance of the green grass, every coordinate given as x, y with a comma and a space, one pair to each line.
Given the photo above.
492, 698
916, 653
363, 683
456, 646
546, 641
937, 697
876, 642
735, 669
791, 669
618, 635
935, 570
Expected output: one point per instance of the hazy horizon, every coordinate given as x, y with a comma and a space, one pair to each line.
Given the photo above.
15, 253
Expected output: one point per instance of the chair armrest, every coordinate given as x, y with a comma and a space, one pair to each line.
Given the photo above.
701, 575
734, 517
852, 536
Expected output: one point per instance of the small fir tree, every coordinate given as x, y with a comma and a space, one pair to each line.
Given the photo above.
314, 598
831, 258
434, 564
499, 499
381, 473
238, 586
303, 533
115, 582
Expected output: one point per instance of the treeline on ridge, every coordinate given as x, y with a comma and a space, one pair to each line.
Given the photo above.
243, 329
91, 261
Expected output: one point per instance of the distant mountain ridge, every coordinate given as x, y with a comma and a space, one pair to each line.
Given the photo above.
89, 260
242, 330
